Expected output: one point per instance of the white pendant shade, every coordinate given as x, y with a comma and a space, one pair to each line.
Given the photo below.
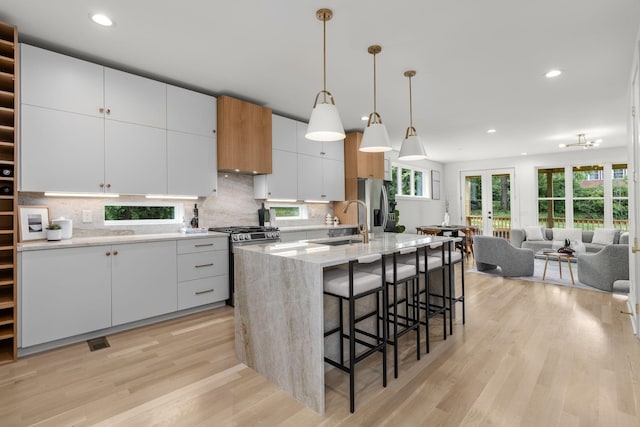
325, 124
375, 139
412, 149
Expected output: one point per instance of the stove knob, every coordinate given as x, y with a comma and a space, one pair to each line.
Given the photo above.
240, 236
234, 237
247, 237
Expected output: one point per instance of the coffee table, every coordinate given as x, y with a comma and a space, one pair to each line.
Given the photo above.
557, 256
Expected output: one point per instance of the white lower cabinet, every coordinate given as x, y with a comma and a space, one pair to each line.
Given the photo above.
203, 271
143, 281
72, 291
65, 292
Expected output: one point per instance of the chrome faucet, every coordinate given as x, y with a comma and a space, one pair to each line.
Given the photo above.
365, 231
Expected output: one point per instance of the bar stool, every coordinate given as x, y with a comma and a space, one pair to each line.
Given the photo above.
426, 265
351, 285
401, 323
450, 259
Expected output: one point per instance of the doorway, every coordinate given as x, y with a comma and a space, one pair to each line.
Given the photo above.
634, 214
488, 197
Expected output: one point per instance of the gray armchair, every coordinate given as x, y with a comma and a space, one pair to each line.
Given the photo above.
603, 268
492, 252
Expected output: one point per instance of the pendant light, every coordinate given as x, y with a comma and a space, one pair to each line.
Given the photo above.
375, 138
412, 148
325, 123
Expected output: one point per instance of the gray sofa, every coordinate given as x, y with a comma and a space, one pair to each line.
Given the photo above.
602, 269
518, 239
492, 252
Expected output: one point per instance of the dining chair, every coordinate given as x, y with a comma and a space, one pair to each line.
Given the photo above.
468, 232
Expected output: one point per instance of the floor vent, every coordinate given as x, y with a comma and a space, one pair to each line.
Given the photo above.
98, 343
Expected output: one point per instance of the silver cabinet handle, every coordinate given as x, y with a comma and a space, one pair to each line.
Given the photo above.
207, 291
202, 245
204, 265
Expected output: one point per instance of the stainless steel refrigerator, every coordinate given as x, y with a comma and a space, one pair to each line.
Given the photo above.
380, 215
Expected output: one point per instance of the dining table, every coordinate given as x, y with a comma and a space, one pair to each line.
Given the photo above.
454, 230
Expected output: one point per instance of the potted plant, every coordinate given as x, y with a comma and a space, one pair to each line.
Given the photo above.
54, 232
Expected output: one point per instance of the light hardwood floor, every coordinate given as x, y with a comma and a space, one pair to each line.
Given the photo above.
530, 354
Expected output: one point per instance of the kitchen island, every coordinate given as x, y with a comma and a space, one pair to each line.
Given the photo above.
279, 308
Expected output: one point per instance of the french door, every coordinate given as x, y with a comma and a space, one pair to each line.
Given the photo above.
487, 201
634, 216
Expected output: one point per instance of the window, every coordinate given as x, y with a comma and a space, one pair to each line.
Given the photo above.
408, 181
551, 200
596, 197
588, 197
286, 211
143, 213
620, 196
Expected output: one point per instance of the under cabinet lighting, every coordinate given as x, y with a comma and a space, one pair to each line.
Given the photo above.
282, 200
61, 194
316, 201
169, 196
491, 131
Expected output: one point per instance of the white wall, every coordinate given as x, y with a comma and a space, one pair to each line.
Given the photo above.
525, 180
417, 212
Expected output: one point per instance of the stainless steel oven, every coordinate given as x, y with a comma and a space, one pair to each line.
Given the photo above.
245, 235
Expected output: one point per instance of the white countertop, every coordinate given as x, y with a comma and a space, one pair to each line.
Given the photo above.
326, 255
108, 240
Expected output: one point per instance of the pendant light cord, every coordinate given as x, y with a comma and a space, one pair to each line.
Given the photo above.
374, 84
324, 58
410, 105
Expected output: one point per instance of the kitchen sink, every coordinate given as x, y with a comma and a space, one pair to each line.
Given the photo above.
340, 242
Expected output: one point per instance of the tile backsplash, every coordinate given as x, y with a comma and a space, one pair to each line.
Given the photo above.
234, 205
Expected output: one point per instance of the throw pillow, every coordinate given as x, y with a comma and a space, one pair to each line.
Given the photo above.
603, 236
567, 233
534, 233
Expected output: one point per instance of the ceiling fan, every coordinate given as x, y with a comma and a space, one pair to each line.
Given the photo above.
582, 142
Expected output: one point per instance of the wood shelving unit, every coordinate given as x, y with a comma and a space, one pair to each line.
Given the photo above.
8, 192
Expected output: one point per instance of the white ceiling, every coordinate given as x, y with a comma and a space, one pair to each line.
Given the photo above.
480, 63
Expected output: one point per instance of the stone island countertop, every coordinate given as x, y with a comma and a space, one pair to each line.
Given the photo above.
280, 309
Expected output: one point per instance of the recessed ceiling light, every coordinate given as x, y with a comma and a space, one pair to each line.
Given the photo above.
491, 131
523, 154
553, 73
101, 19
562, 145
364, 118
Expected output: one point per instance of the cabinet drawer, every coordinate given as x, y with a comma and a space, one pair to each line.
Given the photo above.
202, 264
188, 246
202, 291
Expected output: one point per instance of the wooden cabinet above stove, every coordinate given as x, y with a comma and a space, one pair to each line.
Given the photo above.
244, 136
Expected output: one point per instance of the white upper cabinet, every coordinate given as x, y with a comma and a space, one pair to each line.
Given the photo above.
333, 179
329, 149
134, 99
284, 134
135, 159
192, 164
55, 159
283, 182
97, 129
60, 82
191, 112
302, 169
310, 181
